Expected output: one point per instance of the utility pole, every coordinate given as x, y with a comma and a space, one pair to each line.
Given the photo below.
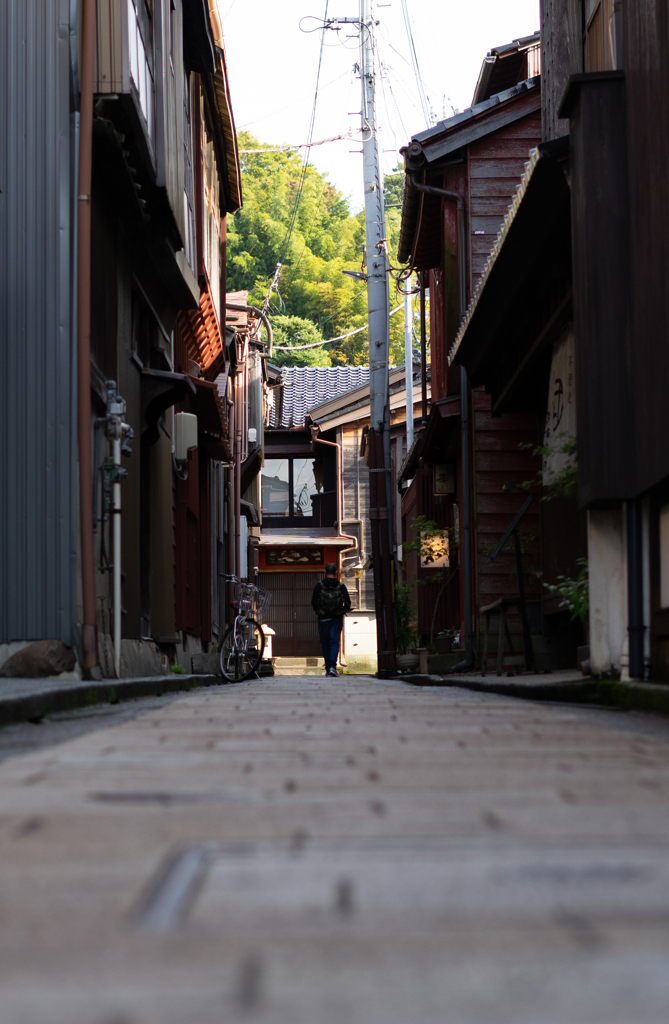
378, 324
378, 319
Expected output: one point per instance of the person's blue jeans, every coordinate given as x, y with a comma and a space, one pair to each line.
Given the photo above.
329, 630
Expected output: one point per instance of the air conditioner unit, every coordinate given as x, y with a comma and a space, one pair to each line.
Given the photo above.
185, 435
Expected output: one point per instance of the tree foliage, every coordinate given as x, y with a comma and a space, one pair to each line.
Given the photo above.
295, 330
326, 240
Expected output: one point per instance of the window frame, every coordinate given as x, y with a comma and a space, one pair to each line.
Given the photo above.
290, 521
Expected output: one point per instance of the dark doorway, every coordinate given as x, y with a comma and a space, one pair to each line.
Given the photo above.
290, 613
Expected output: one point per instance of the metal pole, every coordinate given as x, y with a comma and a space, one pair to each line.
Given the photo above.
636, 625
378, 319
87, 80
466, 519
527, 638
116, 513
408, 359
423, 352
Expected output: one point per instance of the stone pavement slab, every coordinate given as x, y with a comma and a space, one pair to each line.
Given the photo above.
339, 851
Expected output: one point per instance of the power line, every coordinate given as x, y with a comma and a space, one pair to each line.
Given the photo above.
414, 59
302, 145
305, 165
328, 341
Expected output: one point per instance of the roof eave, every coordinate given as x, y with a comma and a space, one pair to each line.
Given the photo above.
547, 151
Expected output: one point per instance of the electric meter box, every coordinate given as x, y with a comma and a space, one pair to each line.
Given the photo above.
185, 435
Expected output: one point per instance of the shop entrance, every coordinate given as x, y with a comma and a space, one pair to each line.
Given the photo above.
290, 613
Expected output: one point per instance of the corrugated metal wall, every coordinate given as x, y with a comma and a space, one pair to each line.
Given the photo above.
37, 373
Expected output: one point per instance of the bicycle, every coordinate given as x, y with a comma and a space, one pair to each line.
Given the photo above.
244, 642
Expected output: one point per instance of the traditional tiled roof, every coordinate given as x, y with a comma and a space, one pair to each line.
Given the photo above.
308, 386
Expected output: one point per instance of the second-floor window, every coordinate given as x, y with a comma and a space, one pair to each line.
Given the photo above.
140, 56
293, 493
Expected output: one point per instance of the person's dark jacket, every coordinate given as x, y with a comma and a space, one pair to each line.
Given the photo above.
330, 583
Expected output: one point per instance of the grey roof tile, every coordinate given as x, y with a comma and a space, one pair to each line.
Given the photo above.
307, 386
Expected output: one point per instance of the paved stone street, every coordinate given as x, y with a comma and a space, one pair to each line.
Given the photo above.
317, 851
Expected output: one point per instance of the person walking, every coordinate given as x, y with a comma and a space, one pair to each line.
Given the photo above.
330, 601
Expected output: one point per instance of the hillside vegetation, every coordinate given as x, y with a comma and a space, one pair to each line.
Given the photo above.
315, 300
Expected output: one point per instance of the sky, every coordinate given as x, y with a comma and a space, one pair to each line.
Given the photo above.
273, 63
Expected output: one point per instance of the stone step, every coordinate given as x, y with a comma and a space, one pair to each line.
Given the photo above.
298, 666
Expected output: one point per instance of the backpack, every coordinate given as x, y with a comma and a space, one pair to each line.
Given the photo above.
330, 602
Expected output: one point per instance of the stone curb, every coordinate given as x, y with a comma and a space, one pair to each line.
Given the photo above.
611, 692
43, 699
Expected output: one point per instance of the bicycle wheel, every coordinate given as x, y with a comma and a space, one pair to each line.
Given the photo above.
240, 659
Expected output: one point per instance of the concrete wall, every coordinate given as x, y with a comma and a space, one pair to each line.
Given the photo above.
607, 561
359, 642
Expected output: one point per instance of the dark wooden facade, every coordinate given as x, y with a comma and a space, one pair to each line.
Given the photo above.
604, 158
165, 176
480, 159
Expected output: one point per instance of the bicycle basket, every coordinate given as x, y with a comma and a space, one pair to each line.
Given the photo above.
263, 598
251, 600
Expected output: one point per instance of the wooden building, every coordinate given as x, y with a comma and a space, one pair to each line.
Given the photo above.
581, 263
315, 503
166, 174
462, 175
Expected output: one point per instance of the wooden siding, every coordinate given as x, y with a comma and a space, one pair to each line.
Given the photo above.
607, 451
417, 501
438, 335
646, 36
488, 182
561, 56
496, 165
109, 48
498, 457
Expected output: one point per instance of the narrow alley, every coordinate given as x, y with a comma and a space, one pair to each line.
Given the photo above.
301, 850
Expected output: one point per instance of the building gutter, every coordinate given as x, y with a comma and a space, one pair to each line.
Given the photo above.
237, 308
85, 179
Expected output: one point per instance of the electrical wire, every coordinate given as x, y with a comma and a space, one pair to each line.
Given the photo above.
302, 145
414, 59
305, 165
328, 341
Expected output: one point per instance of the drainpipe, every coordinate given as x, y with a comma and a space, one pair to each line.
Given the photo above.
87, 83
408, 362
236, 308
423, 352
465, 417
635, 623
465, 425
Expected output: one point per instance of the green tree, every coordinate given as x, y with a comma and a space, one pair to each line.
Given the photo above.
295, 330
326, 239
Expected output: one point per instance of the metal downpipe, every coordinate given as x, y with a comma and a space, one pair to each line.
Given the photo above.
237, 308
85, 177
635, 623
